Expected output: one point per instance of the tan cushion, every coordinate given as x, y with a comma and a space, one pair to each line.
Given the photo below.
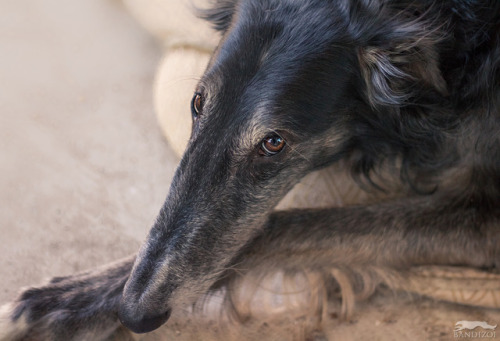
174, 22
175, 83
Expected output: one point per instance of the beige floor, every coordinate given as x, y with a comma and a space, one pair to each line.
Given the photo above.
84, 168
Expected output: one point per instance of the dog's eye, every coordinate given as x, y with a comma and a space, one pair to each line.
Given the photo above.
196, 105
272, 145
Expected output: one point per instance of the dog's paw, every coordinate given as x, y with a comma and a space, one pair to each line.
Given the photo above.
65, 309
79, 307
10, 328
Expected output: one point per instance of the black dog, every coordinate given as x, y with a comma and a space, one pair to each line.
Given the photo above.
295, 86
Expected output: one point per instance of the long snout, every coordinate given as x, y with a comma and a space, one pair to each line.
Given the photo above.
176, 266
142, 306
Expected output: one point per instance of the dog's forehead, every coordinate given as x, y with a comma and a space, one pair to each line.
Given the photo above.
272, 28
273, 39
297, 19
271, 65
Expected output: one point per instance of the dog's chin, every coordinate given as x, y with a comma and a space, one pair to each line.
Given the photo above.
145, 323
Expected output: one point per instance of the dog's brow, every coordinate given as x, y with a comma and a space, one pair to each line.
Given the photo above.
254, 130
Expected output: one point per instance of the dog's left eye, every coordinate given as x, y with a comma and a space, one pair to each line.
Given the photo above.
272, 145
196, 105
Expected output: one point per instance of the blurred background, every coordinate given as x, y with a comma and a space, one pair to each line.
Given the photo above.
83, 165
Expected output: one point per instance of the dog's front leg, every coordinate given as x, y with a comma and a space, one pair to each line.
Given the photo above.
416, 231
79, 307
362, 246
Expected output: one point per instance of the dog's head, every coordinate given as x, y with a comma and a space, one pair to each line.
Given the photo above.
292, 87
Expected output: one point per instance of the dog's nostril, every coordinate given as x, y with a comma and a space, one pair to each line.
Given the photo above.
144, 324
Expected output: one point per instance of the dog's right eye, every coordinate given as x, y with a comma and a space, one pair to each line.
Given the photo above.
196, 105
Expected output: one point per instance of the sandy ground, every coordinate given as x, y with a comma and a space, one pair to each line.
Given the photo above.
84, 168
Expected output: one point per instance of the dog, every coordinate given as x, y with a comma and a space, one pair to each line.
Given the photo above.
409, 88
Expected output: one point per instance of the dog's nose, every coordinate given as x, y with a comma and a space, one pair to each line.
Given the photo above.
142, 323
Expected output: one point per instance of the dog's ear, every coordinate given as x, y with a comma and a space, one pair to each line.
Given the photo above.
402, 65
220, 14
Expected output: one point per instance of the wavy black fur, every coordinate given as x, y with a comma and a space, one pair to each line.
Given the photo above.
437, 69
